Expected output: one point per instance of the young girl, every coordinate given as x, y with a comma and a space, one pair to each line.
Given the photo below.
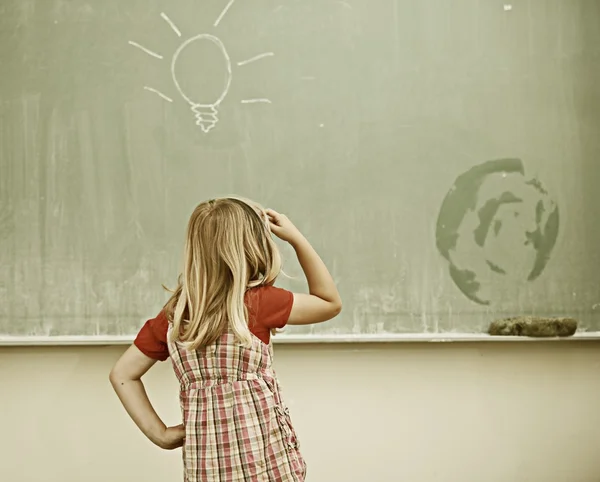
216, 329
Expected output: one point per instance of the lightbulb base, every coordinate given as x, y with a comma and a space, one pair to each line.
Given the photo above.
206, 116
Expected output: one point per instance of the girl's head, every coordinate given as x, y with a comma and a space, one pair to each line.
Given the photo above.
228, 249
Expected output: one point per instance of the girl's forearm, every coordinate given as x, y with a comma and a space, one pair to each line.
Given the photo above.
320, 282
134, 398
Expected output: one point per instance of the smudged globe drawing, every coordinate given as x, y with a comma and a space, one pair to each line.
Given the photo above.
496, 227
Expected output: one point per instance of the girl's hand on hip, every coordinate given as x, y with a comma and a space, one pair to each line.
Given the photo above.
172, 437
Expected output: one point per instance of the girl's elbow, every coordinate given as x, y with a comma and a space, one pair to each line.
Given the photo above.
113, 377
117, 376
336, 308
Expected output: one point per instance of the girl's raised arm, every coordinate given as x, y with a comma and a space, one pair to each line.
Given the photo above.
323, 301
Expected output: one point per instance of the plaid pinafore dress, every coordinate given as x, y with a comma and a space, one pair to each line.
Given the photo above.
237, 425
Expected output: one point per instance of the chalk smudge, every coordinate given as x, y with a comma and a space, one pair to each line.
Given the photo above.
495, 222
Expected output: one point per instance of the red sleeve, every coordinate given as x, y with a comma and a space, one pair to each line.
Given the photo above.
152, 338
274, 307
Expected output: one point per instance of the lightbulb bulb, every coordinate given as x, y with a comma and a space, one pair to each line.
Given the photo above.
206, 113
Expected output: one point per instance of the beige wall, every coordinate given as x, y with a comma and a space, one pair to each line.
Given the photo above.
416, 413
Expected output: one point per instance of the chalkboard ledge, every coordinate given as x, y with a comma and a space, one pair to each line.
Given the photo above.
306, 339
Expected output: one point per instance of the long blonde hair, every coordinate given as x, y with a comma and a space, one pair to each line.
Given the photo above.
228, 250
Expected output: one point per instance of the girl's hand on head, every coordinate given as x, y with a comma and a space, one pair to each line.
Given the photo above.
282, 227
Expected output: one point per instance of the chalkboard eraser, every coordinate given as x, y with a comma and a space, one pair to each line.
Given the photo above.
534, 326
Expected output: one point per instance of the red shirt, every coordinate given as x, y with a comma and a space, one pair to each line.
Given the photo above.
268, 308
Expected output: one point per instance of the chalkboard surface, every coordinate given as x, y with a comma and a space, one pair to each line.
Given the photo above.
441, 156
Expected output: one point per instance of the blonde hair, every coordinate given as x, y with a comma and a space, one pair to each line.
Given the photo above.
228, 250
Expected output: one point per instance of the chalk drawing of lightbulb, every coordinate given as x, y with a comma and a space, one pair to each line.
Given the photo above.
205, 112
205, 109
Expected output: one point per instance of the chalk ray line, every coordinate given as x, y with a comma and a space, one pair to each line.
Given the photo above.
225, 10
255, 58
149, 52
171, 24
256, 101
157, 92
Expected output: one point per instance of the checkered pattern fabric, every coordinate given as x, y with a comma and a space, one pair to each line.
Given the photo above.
237, 425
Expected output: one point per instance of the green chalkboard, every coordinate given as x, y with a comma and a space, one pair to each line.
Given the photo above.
441, 155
